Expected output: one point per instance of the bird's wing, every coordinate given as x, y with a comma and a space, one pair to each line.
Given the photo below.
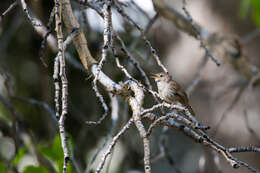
181, 93
182, 97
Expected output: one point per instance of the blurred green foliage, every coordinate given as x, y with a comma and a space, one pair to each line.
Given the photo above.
21, 152
55, 153
34, 169
2, 167
245, 8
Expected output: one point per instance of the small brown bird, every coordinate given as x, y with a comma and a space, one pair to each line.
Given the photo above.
170, 91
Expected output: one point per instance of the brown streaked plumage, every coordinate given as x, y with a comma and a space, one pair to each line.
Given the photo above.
170, 91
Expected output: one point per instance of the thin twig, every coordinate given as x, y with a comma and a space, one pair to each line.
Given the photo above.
155, 95
195, 124
124, 70
245, 110
205, 140
74, 62
48, 33
244, 149
229, 108
147, 42
57, 69
114, 115
107, 42
196, 79
64, 84
146, 30
112, 144
250, 129
202, 44
43, 31
146, 143
250, 36
134, 62
56, 81
164, 150
40, 103
12, 6
140, 9
47, 107
72, 158
9, 103
136, 103
34, 21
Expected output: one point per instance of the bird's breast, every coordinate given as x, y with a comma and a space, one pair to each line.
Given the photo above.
164, 90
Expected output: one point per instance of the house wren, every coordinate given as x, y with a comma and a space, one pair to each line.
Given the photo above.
170, 91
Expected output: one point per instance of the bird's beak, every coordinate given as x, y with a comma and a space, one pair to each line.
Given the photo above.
155, 76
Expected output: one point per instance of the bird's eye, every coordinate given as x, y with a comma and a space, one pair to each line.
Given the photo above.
161, 75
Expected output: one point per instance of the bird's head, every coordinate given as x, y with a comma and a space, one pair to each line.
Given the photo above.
162, 76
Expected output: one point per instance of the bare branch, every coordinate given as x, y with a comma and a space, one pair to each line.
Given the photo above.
250, 36
139, 9
34, 21
10, 8
108, 83
79, 41
134, 61
229, 108
112, 144
244, 149
64, 84
40, 28
47, 107
250, 129
147, 42
196, 79
164, 152
205, 140
136, 103
189, 119
45, 41
202, 43
115, 116
9, 103
177, 18
40, 103
107, 43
